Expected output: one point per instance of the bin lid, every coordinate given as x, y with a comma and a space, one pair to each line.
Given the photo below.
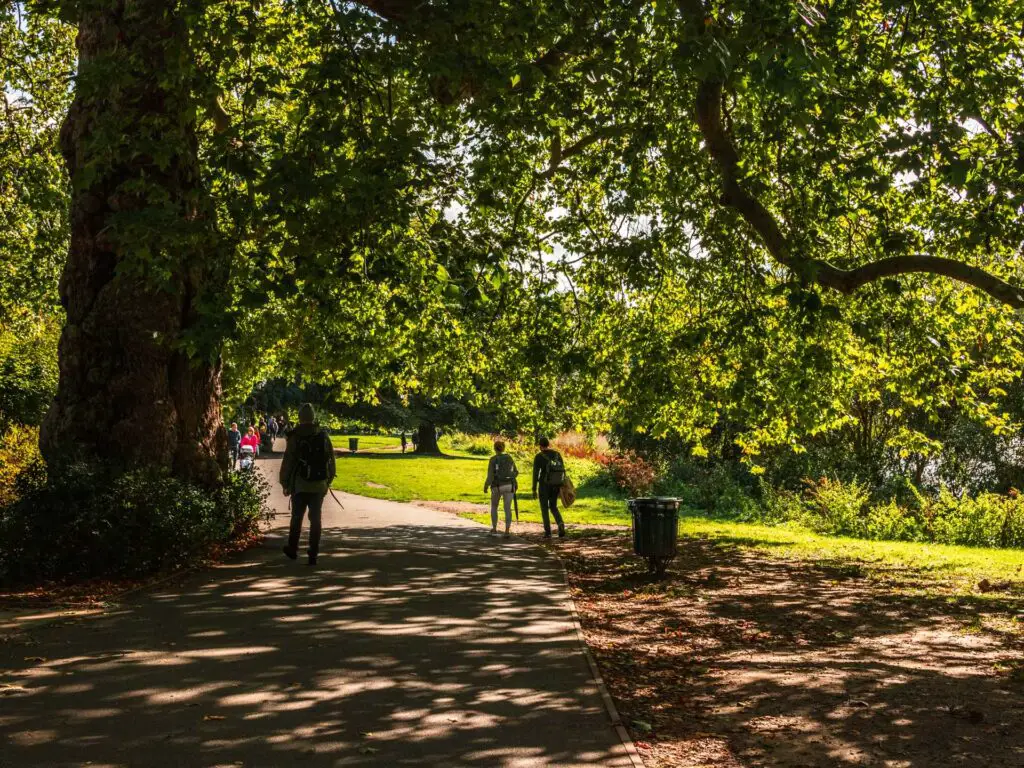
656, 499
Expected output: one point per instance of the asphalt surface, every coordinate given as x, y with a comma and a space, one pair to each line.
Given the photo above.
418, 639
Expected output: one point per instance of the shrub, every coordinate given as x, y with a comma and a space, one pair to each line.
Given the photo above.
28, 370
580, 446
631, 473
836, 508
476, 445
714, 487
892, 522
19, 448
779, 505
986, 520
82, 524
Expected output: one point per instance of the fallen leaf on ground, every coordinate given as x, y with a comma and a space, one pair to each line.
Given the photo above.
213, 717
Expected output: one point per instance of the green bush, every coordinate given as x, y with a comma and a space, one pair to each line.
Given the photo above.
82, 525
19, 448
28, 371
986, 520
714, 487
475, 445
779, 506
836, 508
891, 522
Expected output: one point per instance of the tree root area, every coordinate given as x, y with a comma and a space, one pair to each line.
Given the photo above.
737, 659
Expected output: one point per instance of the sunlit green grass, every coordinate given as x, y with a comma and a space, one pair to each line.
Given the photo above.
370, 442
963, 564
461, 478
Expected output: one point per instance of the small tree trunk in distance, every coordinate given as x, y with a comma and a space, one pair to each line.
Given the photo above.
426, 439
142, 259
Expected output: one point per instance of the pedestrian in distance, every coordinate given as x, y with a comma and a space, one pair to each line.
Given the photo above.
272, 428
501, 480
234, 444
306, 473
404, 443
251, 439
548, 477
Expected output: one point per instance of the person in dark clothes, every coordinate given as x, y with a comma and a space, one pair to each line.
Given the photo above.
306, 474
234, 444
548, 476
272, 427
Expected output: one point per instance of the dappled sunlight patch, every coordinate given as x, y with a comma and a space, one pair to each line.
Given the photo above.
32, 738
418, 645
739, 659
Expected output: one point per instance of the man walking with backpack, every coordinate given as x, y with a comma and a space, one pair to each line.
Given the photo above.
548, 476
501, 479
306, 474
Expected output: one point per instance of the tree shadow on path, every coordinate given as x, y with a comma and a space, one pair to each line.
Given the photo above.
411, 645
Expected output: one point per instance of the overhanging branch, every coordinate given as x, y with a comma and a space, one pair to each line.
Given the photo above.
725, 155
558, 154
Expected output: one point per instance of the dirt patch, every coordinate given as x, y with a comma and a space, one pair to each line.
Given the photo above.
740, 660
455, 507
371, 484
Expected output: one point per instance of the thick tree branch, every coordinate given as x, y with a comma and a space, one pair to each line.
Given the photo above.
558, 154
726, 157
398, 11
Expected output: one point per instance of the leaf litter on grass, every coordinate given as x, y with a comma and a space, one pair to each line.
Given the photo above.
742, 659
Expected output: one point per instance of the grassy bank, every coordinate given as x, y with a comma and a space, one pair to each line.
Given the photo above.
460, 478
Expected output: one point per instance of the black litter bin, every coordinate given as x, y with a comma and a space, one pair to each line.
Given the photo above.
655, 529
353, 444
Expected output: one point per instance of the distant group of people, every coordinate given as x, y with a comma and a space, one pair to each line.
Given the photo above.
243, 447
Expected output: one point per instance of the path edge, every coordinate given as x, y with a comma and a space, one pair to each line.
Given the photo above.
595, 671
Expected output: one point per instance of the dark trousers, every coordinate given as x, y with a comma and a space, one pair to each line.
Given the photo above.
549, 502
314, 502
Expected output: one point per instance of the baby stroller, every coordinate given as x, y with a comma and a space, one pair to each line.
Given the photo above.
246, 458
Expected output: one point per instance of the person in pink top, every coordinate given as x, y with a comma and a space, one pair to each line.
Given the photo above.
251, 439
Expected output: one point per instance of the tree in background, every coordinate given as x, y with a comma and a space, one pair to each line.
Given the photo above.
696, 216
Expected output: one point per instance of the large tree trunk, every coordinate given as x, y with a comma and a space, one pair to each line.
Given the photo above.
426, 438
139, 363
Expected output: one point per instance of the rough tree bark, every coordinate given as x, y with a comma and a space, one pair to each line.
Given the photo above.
426, 438
142, 259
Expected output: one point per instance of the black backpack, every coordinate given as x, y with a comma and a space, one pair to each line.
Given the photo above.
555, 474
313, 457
504, 470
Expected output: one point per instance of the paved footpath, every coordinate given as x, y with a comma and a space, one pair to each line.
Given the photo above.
417, 640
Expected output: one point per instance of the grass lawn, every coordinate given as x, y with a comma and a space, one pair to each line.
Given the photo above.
370, 442
460, 477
